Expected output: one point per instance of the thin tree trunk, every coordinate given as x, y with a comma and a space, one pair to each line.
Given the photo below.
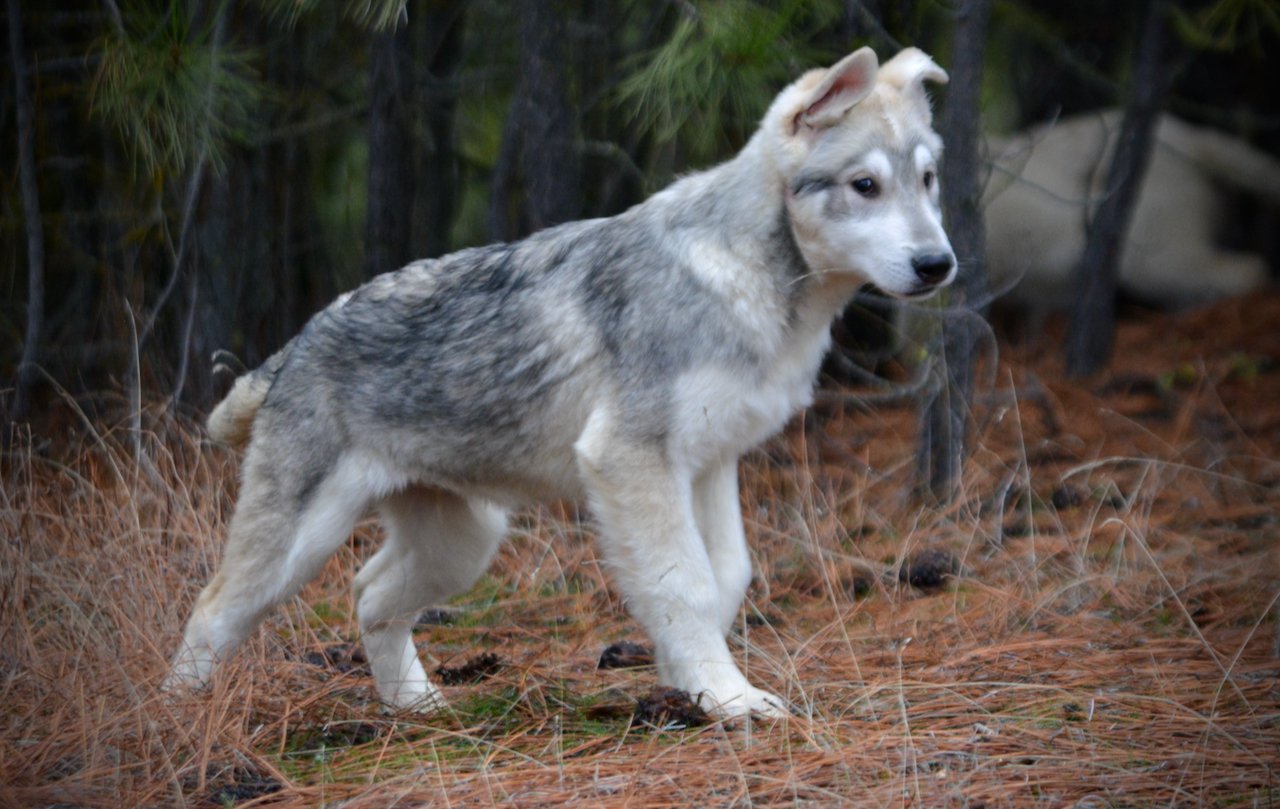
182, 249
945, 417
550, 162
28, 365
539, 138
390, 192
505, 219
1093, 316
437, 196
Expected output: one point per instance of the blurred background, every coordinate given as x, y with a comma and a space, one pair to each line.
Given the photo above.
206, 175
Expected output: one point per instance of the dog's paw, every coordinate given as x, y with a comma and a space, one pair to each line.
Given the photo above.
176, 689
423, 704
754, 702
190, 672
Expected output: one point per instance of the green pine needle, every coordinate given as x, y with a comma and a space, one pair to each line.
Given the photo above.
173, 96
708, 84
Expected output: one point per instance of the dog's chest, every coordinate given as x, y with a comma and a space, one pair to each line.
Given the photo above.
722, 411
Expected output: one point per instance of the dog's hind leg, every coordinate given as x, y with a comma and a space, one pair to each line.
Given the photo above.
437, 545
651, 542
718, 512
282, 532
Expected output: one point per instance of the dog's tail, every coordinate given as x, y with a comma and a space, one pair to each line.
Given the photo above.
1226, 158
231, 422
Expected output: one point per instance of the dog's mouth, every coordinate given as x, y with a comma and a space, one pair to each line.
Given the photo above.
923, 292
919, 292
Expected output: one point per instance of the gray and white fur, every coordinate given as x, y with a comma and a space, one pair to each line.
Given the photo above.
626, 362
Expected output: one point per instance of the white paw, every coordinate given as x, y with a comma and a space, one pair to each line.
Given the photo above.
749, 702
191, 671
420, 701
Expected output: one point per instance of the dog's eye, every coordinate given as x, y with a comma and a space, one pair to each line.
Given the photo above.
928, 180
866, 186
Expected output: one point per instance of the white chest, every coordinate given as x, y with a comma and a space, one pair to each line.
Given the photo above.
721, 412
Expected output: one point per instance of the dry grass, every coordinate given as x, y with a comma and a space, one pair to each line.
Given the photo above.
1109, 641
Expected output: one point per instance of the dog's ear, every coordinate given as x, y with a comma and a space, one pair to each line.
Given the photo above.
907, 72
845, 84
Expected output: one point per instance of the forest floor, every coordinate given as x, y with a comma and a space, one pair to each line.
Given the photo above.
1109, 636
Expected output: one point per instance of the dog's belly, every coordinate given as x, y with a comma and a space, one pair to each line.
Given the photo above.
513, 464
713, 414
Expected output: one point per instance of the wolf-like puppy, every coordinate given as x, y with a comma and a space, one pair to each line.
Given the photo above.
627, 362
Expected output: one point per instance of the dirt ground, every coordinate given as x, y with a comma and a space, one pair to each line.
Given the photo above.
1092, 623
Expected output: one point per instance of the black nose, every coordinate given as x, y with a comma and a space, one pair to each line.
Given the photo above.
932, 268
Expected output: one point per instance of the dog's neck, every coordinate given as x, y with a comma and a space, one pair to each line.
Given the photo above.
739, 197
732, 227
813, 298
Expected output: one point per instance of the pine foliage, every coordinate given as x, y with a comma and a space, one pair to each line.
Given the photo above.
708, 83
377, 15
173, 93
1229, 24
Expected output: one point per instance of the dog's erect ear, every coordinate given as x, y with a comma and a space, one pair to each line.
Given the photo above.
907, 72
845, 84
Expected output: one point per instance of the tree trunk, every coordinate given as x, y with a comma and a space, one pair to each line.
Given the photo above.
28, 364
505, 219
391, 113
550, 161
944, 421
539, 138
442, 32
1093, 316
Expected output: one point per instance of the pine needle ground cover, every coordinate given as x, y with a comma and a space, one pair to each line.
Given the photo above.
1093, 623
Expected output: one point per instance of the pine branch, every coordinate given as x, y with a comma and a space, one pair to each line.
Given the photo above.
719, 69
153, 86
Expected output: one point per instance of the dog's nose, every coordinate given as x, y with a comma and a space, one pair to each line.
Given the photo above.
932, 268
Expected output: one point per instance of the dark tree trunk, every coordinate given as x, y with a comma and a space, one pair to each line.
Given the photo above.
944, 421
391, 117
442, 36
223, 260
505, 219
539, 138
550, 161
28, 364
1093, 316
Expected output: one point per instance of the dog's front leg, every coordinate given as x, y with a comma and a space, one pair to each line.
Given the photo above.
650, 540
718, 512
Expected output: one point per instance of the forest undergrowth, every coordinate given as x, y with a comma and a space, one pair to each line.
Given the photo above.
1092, 623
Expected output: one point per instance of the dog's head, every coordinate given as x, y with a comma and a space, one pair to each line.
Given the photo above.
859, 164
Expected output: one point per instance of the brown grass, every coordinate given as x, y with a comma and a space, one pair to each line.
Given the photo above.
1110, 640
